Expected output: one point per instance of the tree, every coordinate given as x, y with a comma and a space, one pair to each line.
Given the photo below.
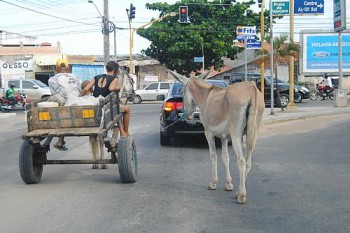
212, 26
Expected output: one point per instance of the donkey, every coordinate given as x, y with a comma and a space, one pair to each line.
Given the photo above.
126, 91
225, 113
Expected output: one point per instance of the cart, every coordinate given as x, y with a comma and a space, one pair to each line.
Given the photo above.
95, 121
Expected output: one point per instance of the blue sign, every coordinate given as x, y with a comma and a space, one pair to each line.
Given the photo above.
321, 53
308, 7
253, 44
198, 59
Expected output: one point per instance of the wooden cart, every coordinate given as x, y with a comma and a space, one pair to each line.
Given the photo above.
95, 121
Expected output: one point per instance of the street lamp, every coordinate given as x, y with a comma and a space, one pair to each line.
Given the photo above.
107, 27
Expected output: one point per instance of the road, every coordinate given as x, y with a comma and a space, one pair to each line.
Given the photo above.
299, 182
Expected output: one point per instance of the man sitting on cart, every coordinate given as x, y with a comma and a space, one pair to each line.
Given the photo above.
63, 85
103, 85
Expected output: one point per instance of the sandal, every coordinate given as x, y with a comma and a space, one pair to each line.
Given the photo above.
60, 147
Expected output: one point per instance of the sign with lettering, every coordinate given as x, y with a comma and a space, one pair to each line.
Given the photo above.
320, 53
280, 8
246, 30
339, 9
302, 7
15, 70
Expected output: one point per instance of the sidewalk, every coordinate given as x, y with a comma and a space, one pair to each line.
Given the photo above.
301, 112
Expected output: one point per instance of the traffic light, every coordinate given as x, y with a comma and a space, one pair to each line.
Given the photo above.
132, 12
259, 3
183, 14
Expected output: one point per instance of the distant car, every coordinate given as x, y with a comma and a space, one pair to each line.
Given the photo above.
303, 91
34, 89
151, 92
172, 122
283, 89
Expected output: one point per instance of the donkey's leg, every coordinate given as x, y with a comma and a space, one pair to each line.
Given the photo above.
236, 132
94, 150
226, 161
213, 160
101, 147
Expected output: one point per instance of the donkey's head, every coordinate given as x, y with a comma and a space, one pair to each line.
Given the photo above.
126, 84
188, 99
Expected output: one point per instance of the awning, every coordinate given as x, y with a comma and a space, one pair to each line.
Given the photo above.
47, 60
87, 72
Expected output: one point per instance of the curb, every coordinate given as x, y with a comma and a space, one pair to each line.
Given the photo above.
301, 117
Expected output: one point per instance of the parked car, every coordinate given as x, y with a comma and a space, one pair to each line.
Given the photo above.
172, 122
34, 89
304, 93
283, 89
151, 92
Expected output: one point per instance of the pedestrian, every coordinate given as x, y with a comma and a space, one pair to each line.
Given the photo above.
63, 85
103, 85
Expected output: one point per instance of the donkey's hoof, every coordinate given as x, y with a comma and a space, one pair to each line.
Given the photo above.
212, 186
228, 186
94, 166
241, 199
104, 166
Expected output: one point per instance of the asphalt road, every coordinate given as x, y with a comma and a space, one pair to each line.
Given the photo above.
299, 182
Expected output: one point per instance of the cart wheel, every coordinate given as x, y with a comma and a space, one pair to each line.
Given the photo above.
127, 159
30, 168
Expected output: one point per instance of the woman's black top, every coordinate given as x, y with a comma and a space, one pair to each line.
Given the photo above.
104, 91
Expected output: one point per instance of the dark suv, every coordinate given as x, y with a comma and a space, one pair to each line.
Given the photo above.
282, 88
172, 121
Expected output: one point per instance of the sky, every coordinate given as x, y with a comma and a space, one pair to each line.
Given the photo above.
77, 23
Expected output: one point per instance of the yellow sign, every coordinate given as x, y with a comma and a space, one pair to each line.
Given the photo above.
88, 113
80, 59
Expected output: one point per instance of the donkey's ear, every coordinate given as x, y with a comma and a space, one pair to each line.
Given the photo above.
203, 76
178, 77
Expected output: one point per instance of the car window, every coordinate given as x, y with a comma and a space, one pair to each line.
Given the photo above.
164, 85
178, 89
27, 85
152, 86
39, 83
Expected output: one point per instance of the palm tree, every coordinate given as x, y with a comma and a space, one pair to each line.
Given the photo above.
281, 49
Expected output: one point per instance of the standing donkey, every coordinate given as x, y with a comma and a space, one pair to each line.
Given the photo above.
225, 113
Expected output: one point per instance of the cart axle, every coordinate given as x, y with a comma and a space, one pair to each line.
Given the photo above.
102, 161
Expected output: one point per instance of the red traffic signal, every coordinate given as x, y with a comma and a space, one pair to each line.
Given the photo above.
183, 14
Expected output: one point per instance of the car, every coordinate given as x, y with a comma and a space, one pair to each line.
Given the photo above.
172, 122
34, 89
283, 90
304, 93
151, 92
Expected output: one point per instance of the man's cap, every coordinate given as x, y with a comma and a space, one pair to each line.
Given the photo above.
62, 63
113, 64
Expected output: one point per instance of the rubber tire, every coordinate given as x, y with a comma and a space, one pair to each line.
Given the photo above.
127, 159
137, 99
313, 95
331, 96
30, 171
284, 97
164, 139
298, 97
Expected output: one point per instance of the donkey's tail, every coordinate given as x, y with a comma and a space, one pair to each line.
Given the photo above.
255, 111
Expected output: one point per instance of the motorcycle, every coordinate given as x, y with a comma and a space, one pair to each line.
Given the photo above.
322, 91
7, 105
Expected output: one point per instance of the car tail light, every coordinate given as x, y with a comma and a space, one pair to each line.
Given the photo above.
171, 106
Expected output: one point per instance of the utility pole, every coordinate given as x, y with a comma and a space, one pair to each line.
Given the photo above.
262, 32
271, 60
105, 22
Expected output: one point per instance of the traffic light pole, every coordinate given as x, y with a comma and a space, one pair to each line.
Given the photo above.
131, 40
